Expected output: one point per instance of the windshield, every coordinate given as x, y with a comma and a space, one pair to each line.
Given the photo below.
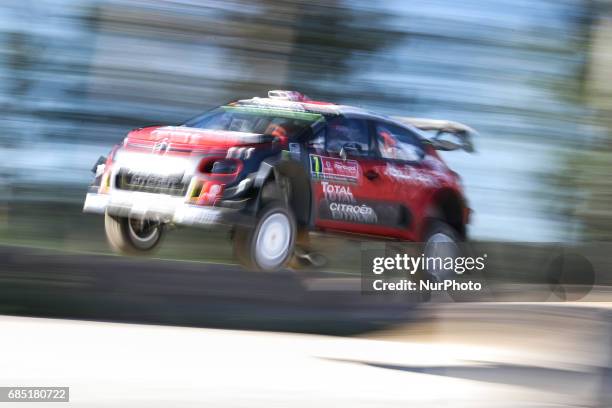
283, 124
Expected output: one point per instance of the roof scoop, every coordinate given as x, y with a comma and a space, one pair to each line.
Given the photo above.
293, 96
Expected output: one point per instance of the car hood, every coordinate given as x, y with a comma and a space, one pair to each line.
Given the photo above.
193, 137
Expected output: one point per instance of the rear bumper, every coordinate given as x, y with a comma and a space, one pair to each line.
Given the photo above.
162, 208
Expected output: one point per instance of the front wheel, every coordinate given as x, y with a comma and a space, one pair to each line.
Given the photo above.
269, 244
131, 235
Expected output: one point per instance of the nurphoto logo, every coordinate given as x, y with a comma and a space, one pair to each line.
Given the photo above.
435, 272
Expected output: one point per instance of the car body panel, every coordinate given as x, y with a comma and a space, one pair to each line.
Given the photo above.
348, 191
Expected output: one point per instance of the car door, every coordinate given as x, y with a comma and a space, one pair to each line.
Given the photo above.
405, 175
348, 181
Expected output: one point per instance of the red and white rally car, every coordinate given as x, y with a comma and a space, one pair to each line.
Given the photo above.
277, 168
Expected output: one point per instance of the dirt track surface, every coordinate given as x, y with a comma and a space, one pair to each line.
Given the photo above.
399, 354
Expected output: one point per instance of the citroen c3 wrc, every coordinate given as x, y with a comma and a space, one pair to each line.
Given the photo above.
277, 168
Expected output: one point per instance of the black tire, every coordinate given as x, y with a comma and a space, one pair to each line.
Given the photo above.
461, 249
442, 237
131, 236
249, 246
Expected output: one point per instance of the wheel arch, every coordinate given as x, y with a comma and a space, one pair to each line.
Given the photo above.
291, 184
449, 206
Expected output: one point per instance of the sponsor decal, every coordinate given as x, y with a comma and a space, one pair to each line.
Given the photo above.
283, 109
284, 106
364, 212
339, 204
160, 183
408, 174
211, 191
329, 168
353, 212
192, 135
335, 192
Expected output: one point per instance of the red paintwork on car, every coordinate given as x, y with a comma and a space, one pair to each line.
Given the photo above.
185, 137
311, 102
415, 186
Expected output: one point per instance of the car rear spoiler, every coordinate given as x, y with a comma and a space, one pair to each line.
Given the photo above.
464, 133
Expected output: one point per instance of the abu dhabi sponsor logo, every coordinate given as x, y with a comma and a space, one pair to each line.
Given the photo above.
329, 168
338, 193
407, 174
353, 212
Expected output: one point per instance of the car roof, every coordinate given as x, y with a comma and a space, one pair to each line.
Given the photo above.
298, 102
295, 101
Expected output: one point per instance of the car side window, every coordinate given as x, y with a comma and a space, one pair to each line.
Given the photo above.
398, 143
349, 133
317, 141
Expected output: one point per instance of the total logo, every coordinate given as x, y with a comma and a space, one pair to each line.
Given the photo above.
334, 192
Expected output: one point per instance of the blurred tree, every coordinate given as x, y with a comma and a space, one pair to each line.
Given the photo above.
586, 177
312, 47
332, 39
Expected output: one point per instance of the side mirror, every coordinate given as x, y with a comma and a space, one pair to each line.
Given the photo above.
101, 161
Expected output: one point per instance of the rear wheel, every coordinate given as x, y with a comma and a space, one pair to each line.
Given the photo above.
131, 235
442, 241
269, 244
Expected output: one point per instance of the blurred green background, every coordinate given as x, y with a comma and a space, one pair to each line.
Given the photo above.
533, 76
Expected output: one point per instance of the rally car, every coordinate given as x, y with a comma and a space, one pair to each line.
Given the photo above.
276, 169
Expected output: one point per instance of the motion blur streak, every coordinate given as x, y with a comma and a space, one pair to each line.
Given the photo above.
533, 76
529, 74
516, 356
